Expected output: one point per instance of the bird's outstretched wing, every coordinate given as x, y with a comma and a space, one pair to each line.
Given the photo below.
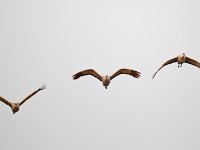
5, 101
131, 72
173, 60
87, 72
192, 62
29, 96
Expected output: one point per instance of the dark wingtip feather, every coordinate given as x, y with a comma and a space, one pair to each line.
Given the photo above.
153, 76
135, 74
76, 76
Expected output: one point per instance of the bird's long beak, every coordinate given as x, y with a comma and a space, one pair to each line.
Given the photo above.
106, 87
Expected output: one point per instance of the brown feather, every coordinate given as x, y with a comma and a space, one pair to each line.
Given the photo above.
173, 60
5, 101
192, 62
29, 96
131, 72
87, 72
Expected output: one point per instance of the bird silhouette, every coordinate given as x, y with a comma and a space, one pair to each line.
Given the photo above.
182, 58
15, 106
106, 79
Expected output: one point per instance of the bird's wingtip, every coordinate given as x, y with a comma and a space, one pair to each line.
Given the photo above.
137, 74
43, 87
74, 77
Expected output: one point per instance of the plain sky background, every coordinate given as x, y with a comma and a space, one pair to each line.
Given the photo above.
47, 41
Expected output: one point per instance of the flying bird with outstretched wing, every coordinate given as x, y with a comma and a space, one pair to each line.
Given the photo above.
106, 79
180, 59
15, 106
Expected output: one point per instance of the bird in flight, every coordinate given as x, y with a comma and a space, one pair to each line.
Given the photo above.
15, 106
106, 79
180, 59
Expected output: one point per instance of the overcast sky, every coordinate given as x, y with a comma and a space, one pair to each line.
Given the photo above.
47, 41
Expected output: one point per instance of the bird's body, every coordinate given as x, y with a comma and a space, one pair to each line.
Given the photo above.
180, 59
106, 79
15, 106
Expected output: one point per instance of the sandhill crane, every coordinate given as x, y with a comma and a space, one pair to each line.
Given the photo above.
106, 79
15, 106
182, 58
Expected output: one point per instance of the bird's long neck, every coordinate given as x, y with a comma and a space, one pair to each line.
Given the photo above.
106, 79
181, 58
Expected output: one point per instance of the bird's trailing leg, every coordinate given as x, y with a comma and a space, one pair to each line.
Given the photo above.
180, 65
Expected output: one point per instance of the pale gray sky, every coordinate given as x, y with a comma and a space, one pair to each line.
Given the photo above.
47, 41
